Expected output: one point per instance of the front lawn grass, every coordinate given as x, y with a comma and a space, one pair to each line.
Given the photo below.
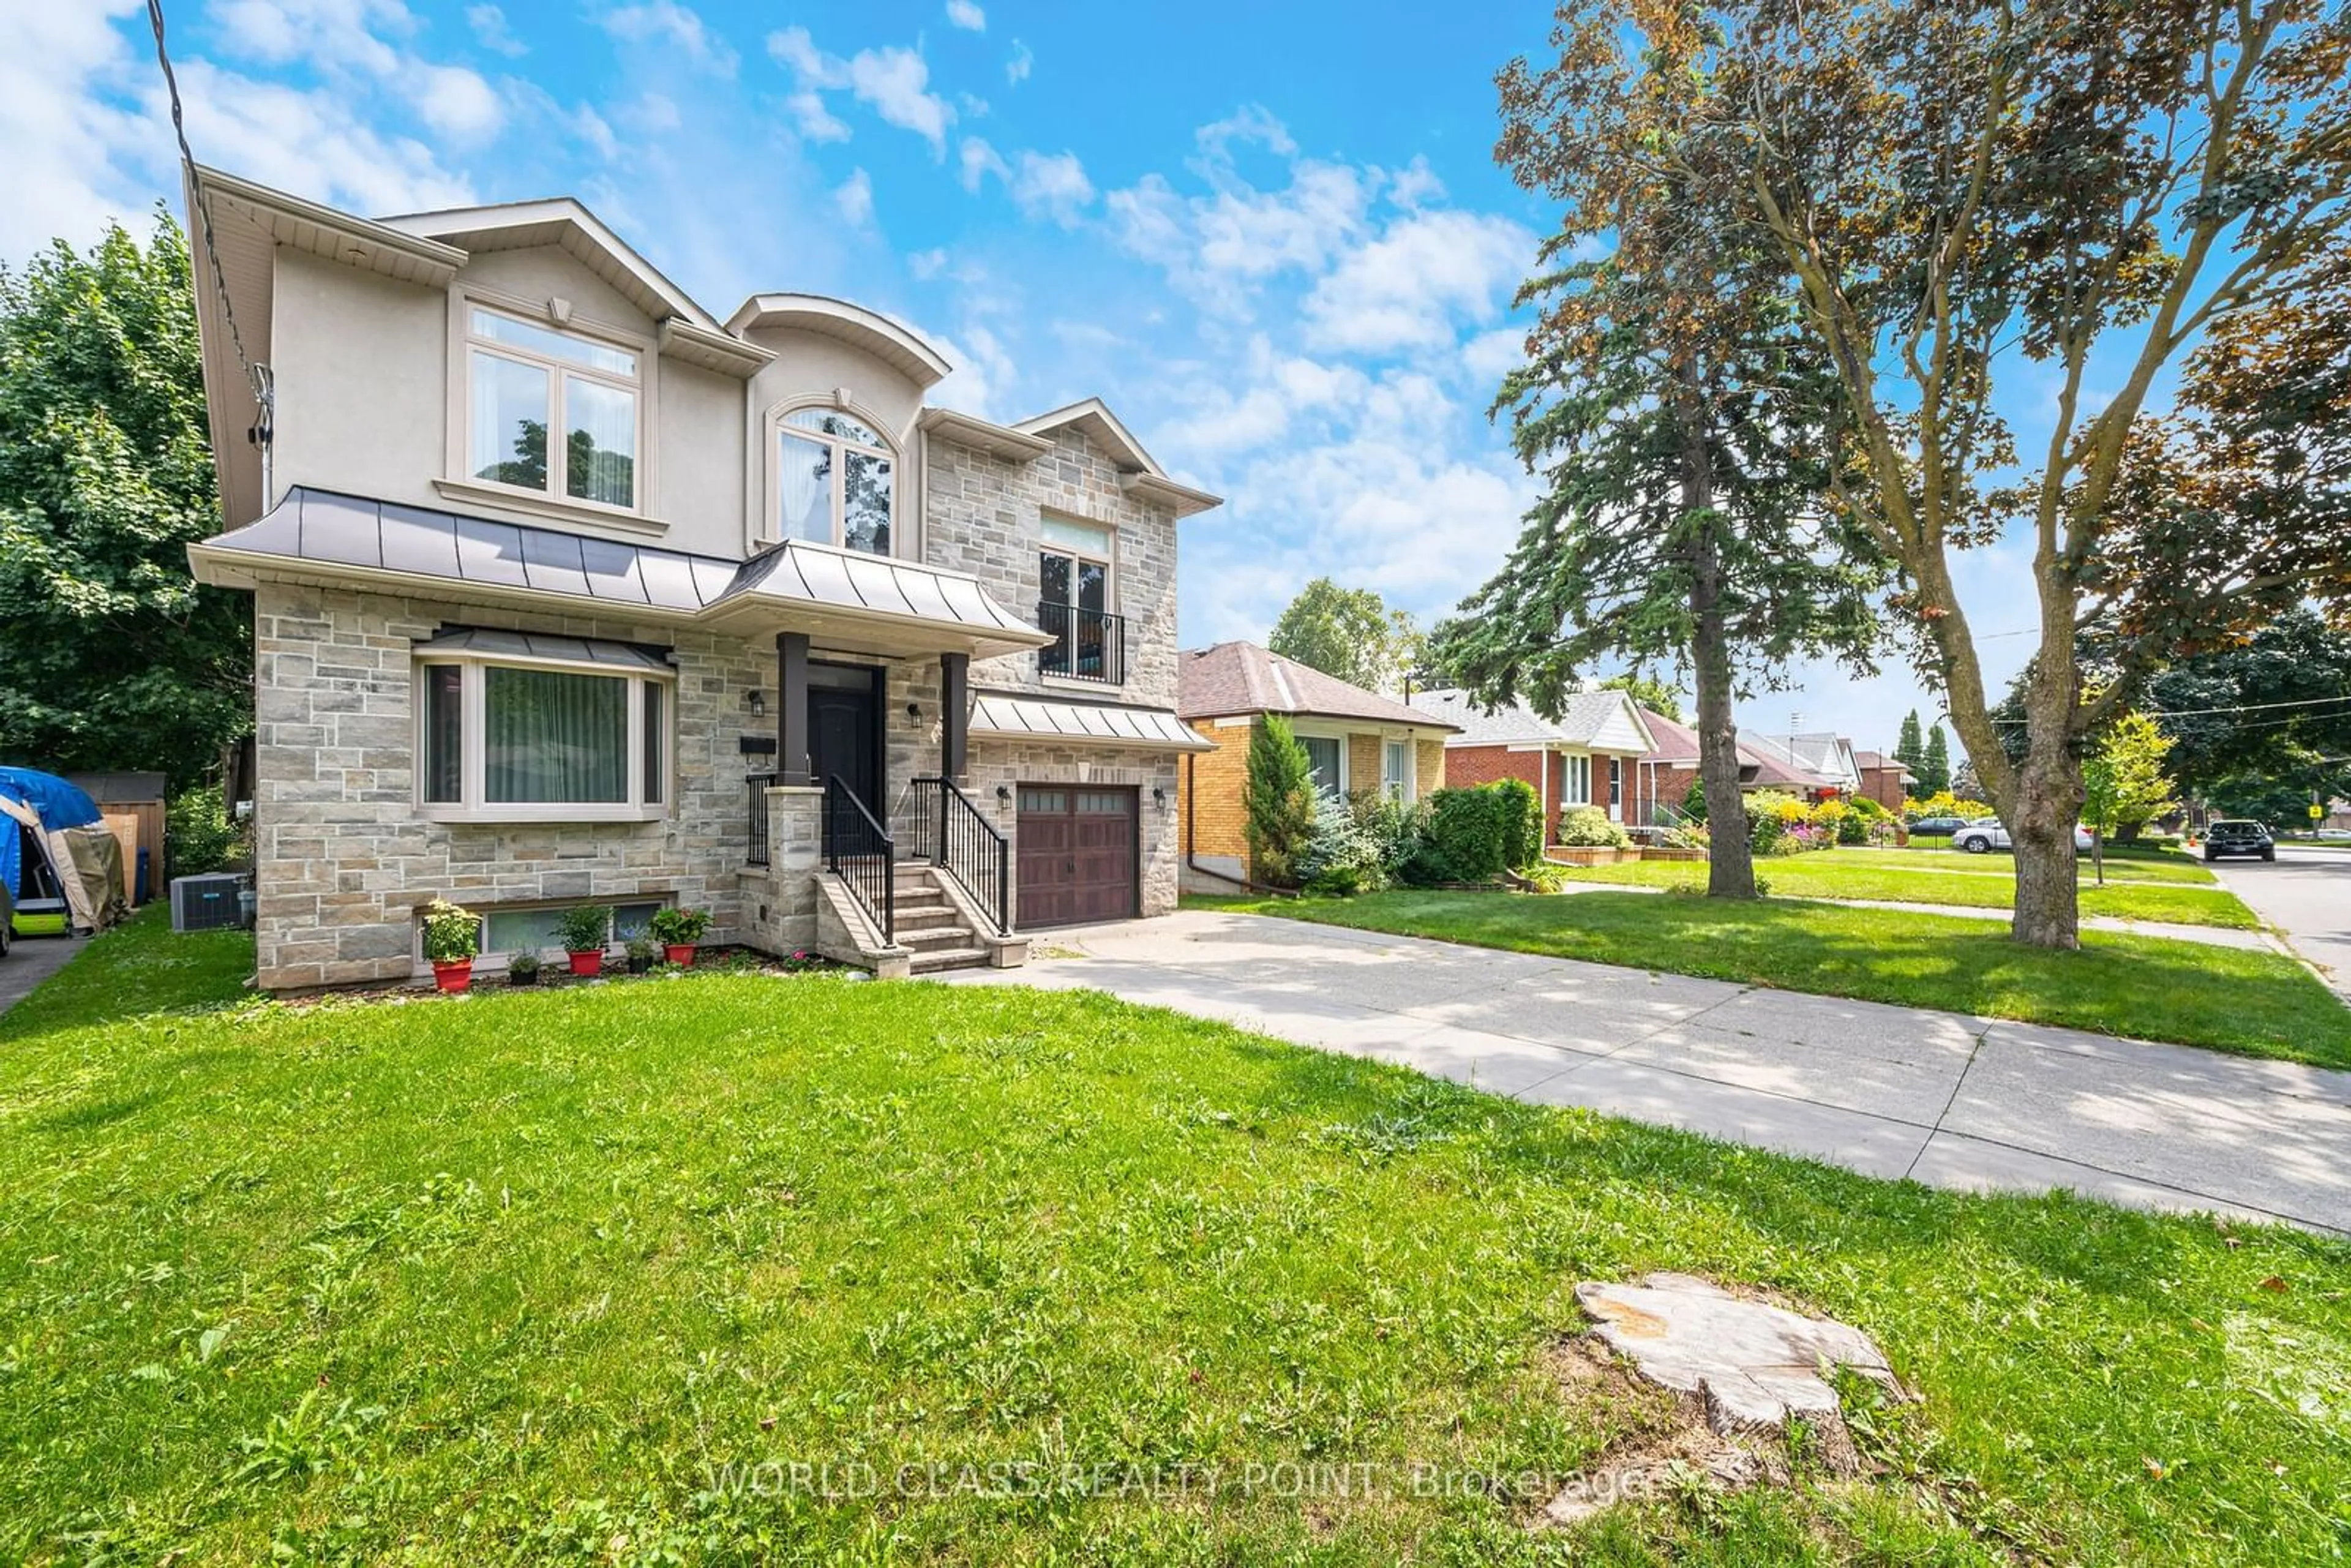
2147, 988
550, 1277
2131, 863
1841, 873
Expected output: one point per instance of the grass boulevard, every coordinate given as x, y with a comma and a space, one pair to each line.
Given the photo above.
737, 1268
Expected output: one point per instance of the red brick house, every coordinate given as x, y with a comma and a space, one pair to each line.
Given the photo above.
1884, 778
1588, 756
1817, 767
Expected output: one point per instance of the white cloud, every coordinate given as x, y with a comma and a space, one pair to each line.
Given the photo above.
967, 15
318, 32
458, 102
978, 160
1490, 356
1416, 185
983, 374
1023, 61
1251, 123
895, 82
654, 114
1406, 289
492, 31
669, 27
855, 197
596, 130
63, 138
307, 142
926, 265
812, 119
1052, 185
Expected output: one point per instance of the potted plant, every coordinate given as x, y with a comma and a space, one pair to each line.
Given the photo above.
582, 931
522, 969
677, 930
643, 953
452, 937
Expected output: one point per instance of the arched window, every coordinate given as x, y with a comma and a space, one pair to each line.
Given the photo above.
836, 481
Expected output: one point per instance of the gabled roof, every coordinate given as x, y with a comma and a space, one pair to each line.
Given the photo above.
1139, 473
1235, 678
1604, 718
559, 221
892, 342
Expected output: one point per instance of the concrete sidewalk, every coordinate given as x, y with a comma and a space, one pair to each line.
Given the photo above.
1949, 1099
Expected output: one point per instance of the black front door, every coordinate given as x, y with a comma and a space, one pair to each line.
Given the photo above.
845, 728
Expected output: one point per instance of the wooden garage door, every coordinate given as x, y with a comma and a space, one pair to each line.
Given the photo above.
1077, 854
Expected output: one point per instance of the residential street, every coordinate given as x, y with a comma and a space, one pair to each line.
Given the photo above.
1952, 1101
2307, 894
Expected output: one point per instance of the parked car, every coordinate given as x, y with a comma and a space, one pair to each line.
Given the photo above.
1986, 834
2237, 836
1936, 827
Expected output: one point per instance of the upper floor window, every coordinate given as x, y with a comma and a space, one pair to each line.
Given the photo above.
523, 380
1074, 600
836, 481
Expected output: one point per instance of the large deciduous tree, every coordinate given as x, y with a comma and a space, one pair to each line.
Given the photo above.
1349, 632
2125, 192
1679, 417
112, 656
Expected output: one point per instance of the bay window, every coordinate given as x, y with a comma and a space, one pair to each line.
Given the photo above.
835, 481
514, 727
551, 411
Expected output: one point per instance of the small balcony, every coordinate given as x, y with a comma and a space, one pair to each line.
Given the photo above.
1087, 645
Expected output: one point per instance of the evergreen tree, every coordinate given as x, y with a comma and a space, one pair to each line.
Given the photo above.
1909, 753
1279, 799
1934, 768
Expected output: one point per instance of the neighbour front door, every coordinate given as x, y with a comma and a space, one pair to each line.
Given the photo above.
845, 730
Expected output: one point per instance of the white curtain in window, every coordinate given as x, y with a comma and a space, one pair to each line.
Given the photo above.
599, 454
803, 489
1322, 757
552, 738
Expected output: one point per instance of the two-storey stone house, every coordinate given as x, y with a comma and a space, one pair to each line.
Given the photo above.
567, 591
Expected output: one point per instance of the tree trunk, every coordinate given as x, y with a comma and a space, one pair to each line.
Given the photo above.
2046, 801
1730, 859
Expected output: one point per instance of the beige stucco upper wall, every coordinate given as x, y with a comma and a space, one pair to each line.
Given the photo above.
364, 388
812, 368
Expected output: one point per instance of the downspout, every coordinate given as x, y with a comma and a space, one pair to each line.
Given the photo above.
1191, 838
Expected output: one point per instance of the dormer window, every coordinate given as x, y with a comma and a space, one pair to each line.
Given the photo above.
523, 380
835, 481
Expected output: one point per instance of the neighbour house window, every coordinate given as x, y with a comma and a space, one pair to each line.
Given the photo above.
523, 380
1073, 602
835, 481
1576, 788
1396, 769
1326, 757
544, 740
1616, 782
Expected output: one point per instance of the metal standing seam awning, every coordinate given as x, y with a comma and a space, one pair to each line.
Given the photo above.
1002, 716
842, 598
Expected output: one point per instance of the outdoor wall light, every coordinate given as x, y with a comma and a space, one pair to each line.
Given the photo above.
914, 710
1003, 794
1159, 797
756, 701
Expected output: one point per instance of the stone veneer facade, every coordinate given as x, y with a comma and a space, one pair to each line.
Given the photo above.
343, 859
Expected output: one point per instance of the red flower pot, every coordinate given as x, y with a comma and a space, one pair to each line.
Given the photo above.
588, 965
680, 953
453, 977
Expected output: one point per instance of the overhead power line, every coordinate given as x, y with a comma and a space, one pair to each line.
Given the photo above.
258, 376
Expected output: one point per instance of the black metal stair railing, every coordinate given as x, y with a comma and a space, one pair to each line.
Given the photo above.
955, 836
758, 784
860, 852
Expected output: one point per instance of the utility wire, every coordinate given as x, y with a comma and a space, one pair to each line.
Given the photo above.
256, 375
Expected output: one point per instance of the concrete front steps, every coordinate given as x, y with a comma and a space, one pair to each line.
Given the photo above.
930, 925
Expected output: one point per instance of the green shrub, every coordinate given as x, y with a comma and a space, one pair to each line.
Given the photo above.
1853, 827
1694, 800
1280, 801
584, 929
451, 935
1589, 827
1475, 833
1341, 856
198, 835
1397, 827
678, 927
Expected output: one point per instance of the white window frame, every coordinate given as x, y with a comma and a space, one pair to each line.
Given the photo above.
1575, 783
1399, 787
771, 524
464, 343
473, 805
1307, 730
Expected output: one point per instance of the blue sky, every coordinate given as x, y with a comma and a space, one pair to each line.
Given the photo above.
1272, 236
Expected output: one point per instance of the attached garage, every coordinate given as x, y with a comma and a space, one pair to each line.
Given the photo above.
1078, 854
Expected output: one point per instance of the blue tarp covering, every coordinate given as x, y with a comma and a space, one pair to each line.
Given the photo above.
58, 805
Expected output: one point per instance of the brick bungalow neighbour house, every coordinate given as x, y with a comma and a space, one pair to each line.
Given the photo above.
1588, 756
1356, 741
1813, 767
568, 592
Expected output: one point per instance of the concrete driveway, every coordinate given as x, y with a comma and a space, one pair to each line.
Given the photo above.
1948, 1100
31, 960
2306, 893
